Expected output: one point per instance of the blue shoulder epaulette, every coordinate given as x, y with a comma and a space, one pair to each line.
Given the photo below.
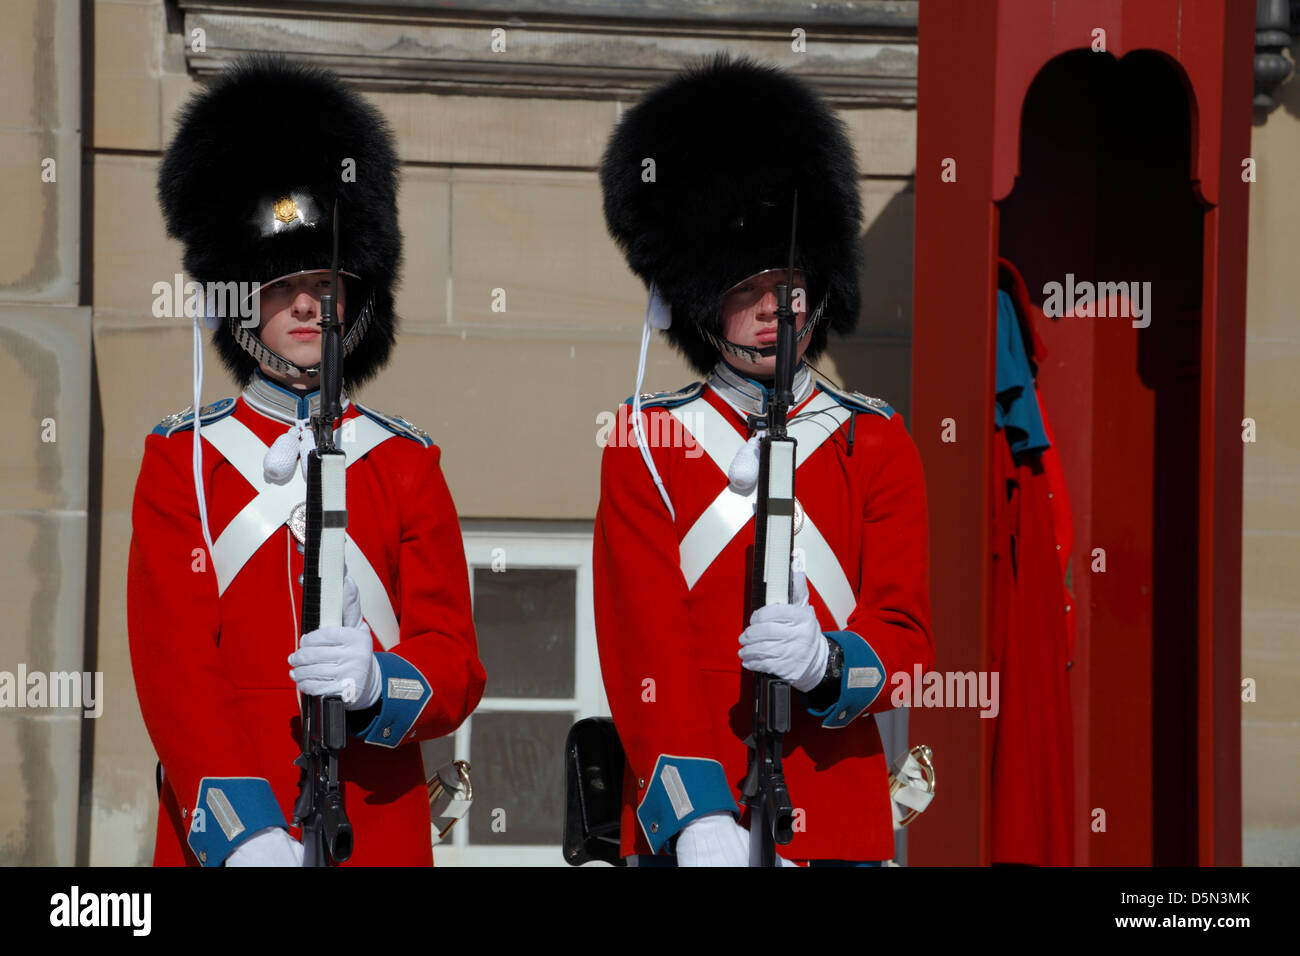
183, 420
396, 424
857, 401
669, 399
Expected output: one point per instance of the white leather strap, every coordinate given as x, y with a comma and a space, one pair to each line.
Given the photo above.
267, 512
713, 531
239, 446
778, 534
376, 608
729, 511
257, 521
331, 564
243, 449
720, 441
825, 572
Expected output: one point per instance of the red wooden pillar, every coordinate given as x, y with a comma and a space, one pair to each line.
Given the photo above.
1032, 109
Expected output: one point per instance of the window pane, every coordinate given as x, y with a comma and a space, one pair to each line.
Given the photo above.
525, 622
439, 752
518, 761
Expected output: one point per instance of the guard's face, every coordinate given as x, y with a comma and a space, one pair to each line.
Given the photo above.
749, 318
290, 313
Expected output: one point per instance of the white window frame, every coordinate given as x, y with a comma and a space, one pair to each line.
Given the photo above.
531, 544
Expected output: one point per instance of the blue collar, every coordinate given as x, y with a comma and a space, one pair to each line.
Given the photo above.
283, 404
750, 396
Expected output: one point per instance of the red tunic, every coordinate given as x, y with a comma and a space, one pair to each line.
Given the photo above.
870, 508
211, 672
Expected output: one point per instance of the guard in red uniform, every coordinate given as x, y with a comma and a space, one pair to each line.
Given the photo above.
698, 184
214, 593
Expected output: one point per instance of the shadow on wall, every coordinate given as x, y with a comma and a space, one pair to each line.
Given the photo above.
877, 358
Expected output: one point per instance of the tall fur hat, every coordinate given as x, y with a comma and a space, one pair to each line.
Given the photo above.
249, 183
731, 140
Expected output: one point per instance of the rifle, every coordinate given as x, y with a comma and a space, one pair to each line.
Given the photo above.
771, 816
326, 832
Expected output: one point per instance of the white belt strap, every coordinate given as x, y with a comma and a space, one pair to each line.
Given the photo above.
257, 521
729, 512
375, 606
713, 531
825, 572
267, 512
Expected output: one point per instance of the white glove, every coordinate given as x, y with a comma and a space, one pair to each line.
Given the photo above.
270, 847
786, 641
339, 661
716, 839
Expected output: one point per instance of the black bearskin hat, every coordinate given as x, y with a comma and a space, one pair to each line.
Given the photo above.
731, 140
268, 141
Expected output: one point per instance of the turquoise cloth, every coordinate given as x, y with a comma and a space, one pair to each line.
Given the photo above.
1016, 410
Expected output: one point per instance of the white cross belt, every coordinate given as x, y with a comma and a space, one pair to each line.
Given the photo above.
267, 512
729, 511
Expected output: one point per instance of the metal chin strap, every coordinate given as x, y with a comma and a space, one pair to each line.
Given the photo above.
748, 353
248, 340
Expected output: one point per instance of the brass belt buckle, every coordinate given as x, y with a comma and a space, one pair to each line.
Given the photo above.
450, 795
923, 756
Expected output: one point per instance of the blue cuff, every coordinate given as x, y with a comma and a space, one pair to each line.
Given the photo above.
860, 684
227, 812
402, 697
681, 790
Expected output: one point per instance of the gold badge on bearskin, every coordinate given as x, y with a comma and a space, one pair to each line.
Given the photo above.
286, 209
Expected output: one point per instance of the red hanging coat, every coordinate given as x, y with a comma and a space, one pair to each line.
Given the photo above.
1032, 639
211, 671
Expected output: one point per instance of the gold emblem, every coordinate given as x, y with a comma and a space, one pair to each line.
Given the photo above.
286, 210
